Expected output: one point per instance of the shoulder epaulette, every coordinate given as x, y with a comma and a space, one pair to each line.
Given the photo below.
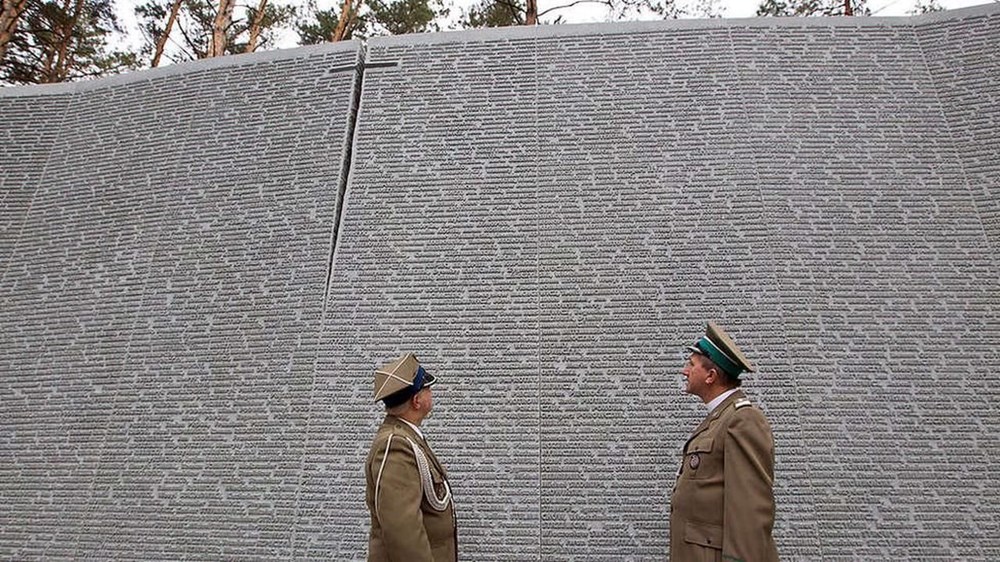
741, 403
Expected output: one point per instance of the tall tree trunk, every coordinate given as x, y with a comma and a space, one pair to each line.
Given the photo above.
58, 69
12, 10
848, 11
222, 20
531, 13
347, 13
255, 27
161, 42
50, 50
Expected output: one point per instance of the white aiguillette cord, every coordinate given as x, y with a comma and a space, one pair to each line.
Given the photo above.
426, 482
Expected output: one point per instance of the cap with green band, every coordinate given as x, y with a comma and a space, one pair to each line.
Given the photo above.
720, 348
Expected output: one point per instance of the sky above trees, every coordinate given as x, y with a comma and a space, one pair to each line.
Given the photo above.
45, 41
587, 12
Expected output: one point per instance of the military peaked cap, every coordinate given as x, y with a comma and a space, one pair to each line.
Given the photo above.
720, 348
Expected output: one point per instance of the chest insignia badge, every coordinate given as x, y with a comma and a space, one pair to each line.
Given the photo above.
694, 461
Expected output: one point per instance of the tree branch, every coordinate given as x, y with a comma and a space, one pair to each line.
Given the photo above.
255, 27
571, 4
12, 10
345, 14
161, 43
63, 55
222, 21
514, 8
187, 38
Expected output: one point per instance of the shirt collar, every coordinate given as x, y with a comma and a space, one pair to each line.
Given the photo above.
415, 428
717, 400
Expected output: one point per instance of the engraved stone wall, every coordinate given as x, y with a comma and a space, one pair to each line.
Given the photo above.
546, 217
30, 129
158, 310
961, 57
872, 225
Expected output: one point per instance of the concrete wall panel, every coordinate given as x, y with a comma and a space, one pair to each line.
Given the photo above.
546, 216
161, 309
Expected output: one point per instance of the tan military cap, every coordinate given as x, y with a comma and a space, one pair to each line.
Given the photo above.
720, 348
397, 381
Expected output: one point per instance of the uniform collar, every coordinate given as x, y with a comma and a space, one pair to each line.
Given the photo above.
719, 399
717, 410
415, 428
391, 419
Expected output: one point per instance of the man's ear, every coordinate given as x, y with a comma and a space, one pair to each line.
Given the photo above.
712, 376
415, 402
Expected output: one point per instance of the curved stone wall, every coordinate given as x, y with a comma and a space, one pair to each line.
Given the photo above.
203, 263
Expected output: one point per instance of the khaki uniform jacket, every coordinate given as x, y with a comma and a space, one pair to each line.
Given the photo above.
404, 526
722, 507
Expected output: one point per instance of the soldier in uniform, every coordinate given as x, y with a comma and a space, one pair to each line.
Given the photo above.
722, 506
408, 496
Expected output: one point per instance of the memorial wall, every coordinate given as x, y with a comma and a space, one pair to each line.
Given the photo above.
201, 265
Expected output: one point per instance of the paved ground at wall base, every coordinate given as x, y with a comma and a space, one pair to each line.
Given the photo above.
202, 264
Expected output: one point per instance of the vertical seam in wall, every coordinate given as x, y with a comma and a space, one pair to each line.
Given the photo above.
989, 405
775, 278
950, 134
61, 516
341, 202
128, 379
538, 299
345, 167
38, 187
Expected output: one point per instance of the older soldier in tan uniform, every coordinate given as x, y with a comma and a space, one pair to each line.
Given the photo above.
408, 496
722, 507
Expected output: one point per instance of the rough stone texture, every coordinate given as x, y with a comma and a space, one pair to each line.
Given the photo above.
546, 217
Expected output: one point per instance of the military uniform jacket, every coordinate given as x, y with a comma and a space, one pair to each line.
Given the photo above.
722, 507
405, 526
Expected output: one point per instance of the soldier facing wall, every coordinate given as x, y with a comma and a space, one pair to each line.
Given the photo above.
201, 265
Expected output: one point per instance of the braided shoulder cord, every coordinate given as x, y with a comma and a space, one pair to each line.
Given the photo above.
427, 483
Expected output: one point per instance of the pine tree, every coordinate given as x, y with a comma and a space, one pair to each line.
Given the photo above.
57, 41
